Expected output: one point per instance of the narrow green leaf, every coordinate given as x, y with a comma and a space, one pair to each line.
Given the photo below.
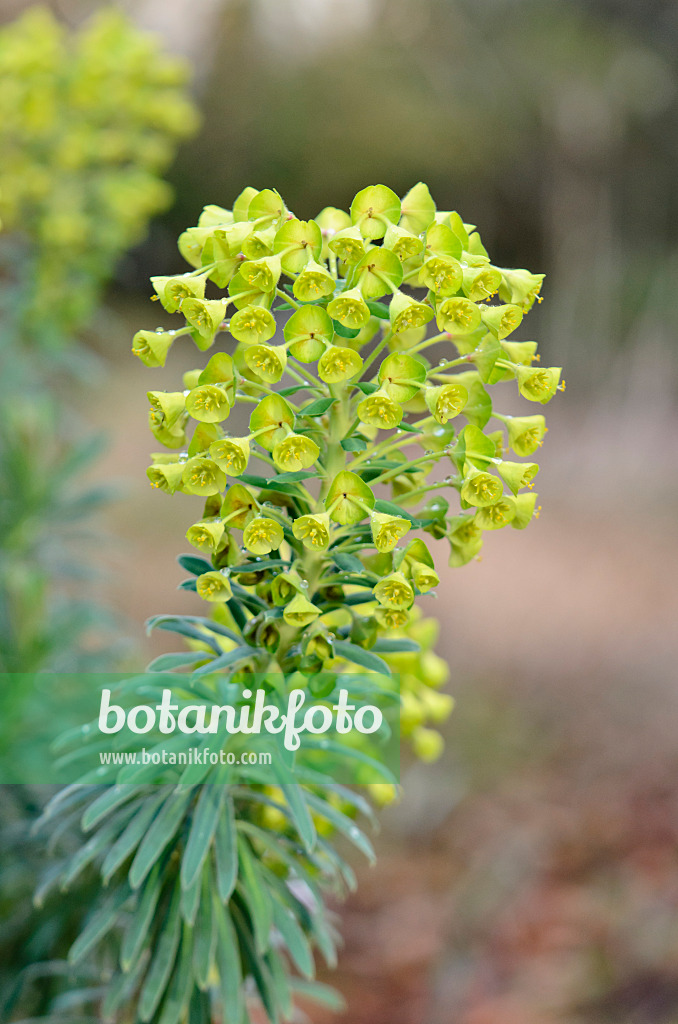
226, 851
169, 662
203, 827
138, 926
294, 794
179, 992
204, 935
386, 646
99, 925
317, 408
359, 656
228, 965
160, 834
294, 938
194, 564
354, 444
255, 894
161, 967
344, 824
379, 309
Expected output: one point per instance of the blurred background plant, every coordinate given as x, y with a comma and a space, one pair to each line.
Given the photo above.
89, 121
553, 124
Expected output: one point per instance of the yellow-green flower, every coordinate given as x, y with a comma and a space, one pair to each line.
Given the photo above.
202, 476
387, 530
378, 273
231, 454
208, 403
418, 211
446, 402
526, 433
295, 452
151, 347
521, 287
348, 244
252, 325
267, 362
442, 274
373, 209
466, 540
284, 586
406, 313
313, 283
497, 515
338, 364
538, 385
214, 586
391, 618
424, 577
263, 274
350, 309
501, 320
313, 531
300, 611
525, 510
262, 535
458, 316
206, 536
517, 474
166, 476
205, 317
394, 591
173, 290
480, 488
168, 406
402, 242
480, 283
379, 410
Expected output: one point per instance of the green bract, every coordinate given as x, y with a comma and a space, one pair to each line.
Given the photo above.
371, 430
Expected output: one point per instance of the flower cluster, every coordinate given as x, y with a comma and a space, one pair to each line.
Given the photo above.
89, 120
318, 502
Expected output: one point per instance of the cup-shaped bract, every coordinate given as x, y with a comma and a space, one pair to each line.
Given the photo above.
349, 499
418, 210
300, 612
538, 384
380, 410
526, 433
239, 506
520, 287
517, 474
480, 488
208, 403
297, 242
497, 515
173, 290
314, 282
307, 333
378, 273
206, 536
151, 347
457, 315
314, 531
202, 476
350, 309
403, 243
401, 376
295, 452
338, 364
406, 313
214, 586
348, 245
480, 283
441, 274
271, 421
387, 530
394, 591
373, 209
502, 320
446, 401
267, 362
231, 454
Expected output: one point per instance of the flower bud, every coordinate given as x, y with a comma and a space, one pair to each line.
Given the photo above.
520, 287
517, 474
501, 320
297, 242
480, 283
498, 515
208, 403
313, 531
151, 347
318, 643
394, 592
458, 316
378, 410
202, 476
349, 499
350, 309
364, 631
313, 283
442, 274
387, 530
239, 506
300, 611
295, 452
480, 488
172, 290
271, 421
427, 744
538, 385
406, 313
418, 210
307, 332
284, 586
206, 536
267, 361
525, 510
402, 376
252, 325
262, 535
526, 433
446, 402
424, 577
338, 364
466, 540
214, 586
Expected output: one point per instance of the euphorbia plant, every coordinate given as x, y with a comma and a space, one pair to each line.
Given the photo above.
328, 449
